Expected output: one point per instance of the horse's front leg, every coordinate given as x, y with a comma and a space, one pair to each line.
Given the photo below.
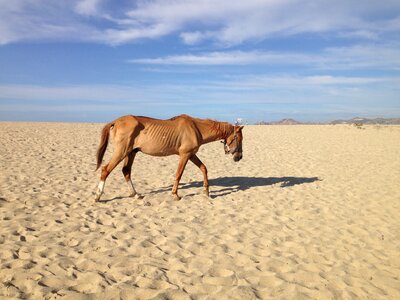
181, 167
203, 170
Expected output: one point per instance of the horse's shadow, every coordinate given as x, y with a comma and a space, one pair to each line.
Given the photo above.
225, 185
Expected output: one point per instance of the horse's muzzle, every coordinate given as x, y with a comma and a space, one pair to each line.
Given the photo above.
237, 156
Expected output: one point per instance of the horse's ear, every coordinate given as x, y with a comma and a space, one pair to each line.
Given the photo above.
239, 128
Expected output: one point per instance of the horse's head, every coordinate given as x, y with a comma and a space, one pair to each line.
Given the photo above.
233, 143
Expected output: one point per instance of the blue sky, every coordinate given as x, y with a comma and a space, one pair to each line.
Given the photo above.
95, 60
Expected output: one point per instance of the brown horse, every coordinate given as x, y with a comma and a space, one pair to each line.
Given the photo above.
181, 135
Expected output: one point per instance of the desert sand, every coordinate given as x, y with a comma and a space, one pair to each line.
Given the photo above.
310, 212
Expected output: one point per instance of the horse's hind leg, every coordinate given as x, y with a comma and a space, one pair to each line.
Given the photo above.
116, 158
126, 170
194, 159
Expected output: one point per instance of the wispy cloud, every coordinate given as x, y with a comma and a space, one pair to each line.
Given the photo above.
88, 7
224, 58
351, 57
70, 92
223, 22
301, 82
29, 20
248, 96
175, 91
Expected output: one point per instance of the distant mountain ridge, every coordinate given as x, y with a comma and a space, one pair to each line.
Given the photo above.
382, 121
356, 120
281, 122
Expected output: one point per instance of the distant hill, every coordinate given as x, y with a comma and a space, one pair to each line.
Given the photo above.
281, 122
357, 120
382, 121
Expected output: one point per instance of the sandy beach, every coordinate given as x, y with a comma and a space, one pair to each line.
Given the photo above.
310, 212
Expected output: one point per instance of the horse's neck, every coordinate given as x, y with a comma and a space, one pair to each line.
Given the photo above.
213, 131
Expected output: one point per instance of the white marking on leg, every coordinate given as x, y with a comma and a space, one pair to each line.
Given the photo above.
100, 187
100, 190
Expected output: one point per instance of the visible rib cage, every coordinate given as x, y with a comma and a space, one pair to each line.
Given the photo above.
165, 136
182, 135
158, 138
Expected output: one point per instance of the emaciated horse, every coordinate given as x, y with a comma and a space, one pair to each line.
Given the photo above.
181, 135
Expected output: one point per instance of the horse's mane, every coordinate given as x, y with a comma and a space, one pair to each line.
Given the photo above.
223, 129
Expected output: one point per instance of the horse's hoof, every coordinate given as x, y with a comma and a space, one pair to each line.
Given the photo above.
207, 193
176, 197
97, 199
137, 196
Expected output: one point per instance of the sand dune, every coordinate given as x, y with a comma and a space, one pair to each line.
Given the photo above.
311, 212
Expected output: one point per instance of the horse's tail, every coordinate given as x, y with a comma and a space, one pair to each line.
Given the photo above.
103, 143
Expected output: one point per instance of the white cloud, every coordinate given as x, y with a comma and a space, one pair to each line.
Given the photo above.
266, 82
226, 58
70, 92
27, 20
233, 22
174, 91
366, 34
117, 36
224, 22
192, 38
88, 7
384, 56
